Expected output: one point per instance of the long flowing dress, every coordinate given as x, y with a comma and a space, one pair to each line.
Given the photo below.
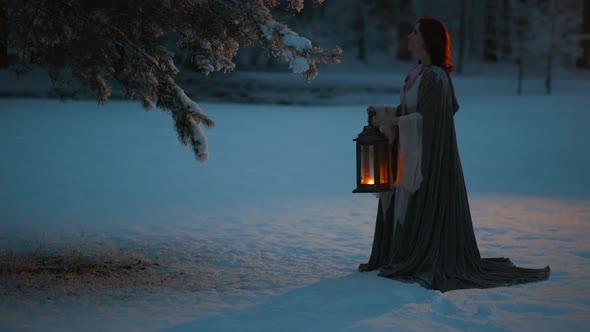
434, 243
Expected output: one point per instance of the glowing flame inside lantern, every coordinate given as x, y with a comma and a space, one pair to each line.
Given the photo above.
369, 181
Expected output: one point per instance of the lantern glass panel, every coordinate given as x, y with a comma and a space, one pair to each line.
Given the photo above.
367, 162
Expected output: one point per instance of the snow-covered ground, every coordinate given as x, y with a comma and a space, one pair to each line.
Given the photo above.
267, 235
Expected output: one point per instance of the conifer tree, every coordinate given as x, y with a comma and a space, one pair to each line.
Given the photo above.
110, 42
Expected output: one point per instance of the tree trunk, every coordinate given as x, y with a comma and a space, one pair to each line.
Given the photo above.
386, 11
3, 35
506, 33
520, 78
548, 74
584, 61
491, 31
403, 30
404, 12
359, 27
549, 64
462, 36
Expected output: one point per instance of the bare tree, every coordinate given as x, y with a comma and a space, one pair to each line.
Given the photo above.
520, 38
544, 32
556, 25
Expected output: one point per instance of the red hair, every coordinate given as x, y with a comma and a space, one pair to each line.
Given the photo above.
437, 41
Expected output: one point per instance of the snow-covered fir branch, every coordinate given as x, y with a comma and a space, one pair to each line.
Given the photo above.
103, 42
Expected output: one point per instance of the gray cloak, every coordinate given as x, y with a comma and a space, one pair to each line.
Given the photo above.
435, 246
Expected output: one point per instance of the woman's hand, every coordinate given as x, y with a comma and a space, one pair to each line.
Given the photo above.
382, 115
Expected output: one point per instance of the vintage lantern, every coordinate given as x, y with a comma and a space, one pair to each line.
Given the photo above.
373, 160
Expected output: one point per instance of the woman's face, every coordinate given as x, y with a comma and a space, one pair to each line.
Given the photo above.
415, 41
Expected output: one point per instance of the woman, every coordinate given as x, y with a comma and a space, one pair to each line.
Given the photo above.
424, 231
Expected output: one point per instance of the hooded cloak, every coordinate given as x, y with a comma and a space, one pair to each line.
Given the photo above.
435, 244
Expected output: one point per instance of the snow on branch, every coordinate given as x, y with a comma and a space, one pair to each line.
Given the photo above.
297, 51
207, 60
299, 4
196, 137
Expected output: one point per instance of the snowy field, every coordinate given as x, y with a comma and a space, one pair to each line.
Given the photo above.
267, 235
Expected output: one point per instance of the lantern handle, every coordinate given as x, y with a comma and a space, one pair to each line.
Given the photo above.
371, 114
